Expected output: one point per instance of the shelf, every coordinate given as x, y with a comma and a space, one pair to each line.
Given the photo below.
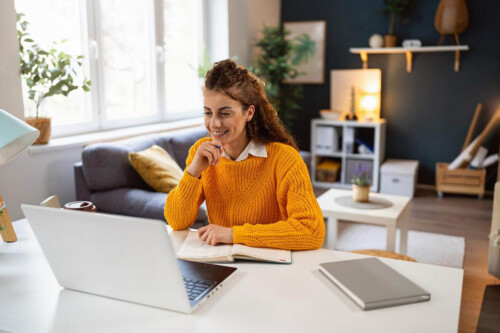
373, 133
337, 155
364, 51
362, 156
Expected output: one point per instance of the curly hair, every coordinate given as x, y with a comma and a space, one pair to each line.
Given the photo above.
243, 86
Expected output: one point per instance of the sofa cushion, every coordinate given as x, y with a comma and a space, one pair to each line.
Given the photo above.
106, 165
140, 203
157, 168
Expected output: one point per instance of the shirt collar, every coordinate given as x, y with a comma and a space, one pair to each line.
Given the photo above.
253, 148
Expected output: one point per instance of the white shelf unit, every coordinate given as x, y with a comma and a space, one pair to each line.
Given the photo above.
365, 51
375, 129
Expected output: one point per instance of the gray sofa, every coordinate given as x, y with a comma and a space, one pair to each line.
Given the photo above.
106, 178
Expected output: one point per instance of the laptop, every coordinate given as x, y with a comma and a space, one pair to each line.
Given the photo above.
121, 257
372, 284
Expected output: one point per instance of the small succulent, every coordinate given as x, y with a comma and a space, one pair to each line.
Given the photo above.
362, 175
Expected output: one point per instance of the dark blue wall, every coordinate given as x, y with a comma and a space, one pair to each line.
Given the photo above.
428, 112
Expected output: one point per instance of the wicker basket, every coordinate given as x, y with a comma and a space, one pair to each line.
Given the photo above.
462, 181
328, 171
43, 125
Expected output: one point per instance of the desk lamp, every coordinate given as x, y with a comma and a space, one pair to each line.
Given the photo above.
15, 137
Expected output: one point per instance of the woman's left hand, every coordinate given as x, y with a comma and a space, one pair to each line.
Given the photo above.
214, 234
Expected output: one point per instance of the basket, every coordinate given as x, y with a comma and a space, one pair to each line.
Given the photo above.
328, 171
462, 181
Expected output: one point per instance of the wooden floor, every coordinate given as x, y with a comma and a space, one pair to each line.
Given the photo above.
470, 218
464, 216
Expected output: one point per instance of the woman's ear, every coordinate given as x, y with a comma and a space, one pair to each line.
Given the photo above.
250, 113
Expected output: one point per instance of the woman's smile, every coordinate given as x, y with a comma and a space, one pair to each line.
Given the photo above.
218, 134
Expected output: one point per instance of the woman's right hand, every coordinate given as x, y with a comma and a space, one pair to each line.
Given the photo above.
208, 153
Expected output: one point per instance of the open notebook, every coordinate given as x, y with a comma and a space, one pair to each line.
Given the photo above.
194, 249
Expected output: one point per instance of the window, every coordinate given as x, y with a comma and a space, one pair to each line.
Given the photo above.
46, 19
183, 49
142, 58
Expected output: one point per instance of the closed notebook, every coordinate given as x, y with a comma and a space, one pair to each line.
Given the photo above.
194, 249
371, 284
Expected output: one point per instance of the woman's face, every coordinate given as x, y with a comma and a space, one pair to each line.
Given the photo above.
225, 119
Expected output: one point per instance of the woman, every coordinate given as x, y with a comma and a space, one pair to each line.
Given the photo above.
249, 172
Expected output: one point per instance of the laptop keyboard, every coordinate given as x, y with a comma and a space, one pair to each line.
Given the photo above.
197, 287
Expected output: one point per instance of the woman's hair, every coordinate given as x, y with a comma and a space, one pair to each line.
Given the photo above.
241, 85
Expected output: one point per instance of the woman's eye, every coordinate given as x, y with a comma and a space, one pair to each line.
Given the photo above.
225, 114
207, 113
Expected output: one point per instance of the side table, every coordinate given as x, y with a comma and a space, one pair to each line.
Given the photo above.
395, 216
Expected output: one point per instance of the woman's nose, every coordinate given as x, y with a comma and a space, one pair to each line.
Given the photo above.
216, 123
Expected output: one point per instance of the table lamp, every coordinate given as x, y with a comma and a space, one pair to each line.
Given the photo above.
369, 105
15, 137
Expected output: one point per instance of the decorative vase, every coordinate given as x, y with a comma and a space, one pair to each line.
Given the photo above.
360, 193
376, 41
451, 18
390, 40
43, 125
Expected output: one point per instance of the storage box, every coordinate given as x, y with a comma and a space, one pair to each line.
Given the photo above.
328, 171
327, 140
462, 181
398, 177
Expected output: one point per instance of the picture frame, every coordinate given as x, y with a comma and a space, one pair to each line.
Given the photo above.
314, 69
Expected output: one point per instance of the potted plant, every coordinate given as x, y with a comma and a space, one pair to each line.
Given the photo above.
46, 73
277, 62
398, 10
361, 183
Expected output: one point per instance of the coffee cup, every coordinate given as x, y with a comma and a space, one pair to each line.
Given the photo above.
84, 206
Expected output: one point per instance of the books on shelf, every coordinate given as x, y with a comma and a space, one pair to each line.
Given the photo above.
194, 249
349, 139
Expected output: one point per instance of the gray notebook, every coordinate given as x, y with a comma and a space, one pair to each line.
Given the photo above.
371, 284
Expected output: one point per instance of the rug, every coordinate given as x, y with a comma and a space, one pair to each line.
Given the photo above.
424, 247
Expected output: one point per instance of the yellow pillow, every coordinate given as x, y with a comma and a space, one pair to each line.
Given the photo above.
157, 168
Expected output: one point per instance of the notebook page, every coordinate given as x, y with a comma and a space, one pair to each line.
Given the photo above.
196, 248
267, 254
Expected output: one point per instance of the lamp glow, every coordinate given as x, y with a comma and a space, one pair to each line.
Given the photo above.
369, 105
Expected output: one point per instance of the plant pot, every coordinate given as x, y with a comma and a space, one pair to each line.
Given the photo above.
43, 125
390, 40
360, 193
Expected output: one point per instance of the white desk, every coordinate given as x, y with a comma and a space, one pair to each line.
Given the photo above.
391, 217
259, 298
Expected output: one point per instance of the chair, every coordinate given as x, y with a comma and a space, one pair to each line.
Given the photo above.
384, 254
52, 201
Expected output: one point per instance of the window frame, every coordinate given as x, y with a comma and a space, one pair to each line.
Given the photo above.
93, 68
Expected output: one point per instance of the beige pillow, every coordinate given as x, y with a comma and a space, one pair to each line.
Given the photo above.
157, 168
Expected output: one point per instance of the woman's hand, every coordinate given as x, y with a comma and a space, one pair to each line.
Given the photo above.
214, 234
208, 153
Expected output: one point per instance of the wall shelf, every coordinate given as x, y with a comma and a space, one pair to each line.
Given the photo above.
364, 52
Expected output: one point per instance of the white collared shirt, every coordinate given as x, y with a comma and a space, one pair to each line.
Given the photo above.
254, 148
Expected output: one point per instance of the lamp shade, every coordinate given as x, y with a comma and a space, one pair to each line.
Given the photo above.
15, 136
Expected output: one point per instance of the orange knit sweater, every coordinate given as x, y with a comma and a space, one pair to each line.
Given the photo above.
269, 202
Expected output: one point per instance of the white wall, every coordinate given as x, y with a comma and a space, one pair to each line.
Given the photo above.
246, 18
31, 178
11, 98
